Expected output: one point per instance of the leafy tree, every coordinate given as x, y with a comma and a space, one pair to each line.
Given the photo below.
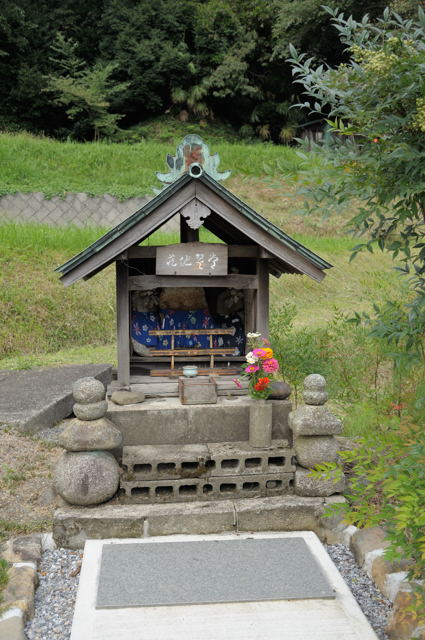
375, 108
85, 92
375, 161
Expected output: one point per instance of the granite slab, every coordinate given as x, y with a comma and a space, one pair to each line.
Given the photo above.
209, 571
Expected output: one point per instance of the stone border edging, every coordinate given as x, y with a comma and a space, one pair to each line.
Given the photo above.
23, 554
368, 547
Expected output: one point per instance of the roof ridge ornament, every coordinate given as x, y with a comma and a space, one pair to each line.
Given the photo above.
193, 157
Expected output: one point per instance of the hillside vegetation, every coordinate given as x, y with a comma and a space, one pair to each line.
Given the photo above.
44, 323
31, 163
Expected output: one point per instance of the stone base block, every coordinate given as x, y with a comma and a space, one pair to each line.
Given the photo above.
308, 485
312, 450
166, 421
286, 513
72, 526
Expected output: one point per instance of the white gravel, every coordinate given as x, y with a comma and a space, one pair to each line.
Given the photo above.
59, 575
374, 605
55, 596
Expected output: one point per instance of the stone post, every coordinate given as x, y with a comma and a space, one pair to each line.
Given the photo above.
87, 473
314, 428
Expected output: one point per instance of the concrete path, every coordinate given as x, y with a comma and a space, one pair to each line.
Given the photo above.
36, 399
339, 618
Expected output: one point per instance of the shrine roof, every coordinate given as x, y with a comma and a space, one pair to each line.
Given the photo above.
183, 184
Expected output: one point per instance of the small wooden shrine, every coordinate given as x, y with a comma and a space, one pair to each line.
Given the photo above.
195, 301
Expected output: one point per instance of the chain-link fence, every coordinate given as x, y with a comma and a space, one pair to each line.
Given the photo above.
77, 209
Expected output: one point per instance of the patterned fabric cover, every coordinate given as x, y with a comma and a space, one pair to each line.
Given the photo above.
197, 319
141, 323
237, 340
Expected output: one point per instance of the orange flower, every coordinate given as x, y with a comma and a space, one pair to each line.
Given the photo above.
265, 353
261, 384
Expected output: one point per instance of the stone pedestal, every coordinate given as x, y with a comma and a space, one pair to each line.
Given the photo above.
260, 423
314, 428
86, 474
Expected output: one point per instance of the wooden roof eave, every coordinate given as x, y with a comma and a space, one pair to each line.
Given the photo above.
237, 221
283, 253
133, 234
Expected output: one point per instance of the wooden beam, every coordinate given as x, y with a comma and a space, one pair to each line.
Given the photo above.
192, 352
262, 307
191, 332
235, 251
256, 233
142, 229
237, 281
250, 296
186, 233
123, 324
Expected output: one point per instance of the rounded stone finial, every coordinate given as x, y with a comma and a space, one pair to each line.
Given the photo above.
87, 477
88, 391
315, 389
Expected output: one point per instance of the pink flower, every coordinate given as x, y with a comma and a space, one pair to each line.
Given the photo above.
259, 353
271, 365
237, 383
252, 368
266, 342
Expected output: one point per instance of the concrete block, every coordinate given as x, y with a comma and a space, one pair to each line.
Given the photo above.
285, 513
72, 526
333, 520
365, 540
239, 457
151, 462
46, 394
192, 518
211, 488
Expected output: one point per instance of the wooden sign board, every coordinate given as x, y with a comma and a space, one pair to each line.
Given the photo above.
192, 259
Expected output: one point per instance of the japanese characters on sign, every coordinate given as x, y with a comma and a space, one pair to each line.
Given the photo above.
192, 259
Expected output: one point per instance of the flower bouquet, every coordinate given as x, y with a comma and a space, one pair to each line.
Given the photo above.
260, 366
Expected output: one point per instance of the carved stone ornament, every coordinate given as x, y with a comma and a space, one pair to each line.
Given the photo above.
192, 150
195, 213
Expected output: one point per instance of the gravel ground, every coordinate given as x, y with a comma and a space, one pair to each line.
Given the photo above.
59, 575
371, 601
55, 596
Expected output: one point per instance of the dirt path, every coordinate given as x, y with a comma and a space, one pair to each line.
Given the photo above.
27, 499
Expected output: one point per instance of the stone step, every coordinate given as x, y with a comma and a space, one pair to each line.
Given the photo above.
72, 526
159, 462
212, 488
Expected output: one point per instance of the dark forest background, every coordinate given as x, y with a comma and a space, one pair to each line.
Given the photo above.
90, 69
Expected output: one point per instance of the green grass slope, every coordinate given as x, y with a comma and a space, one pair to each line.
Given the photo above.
31, 163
